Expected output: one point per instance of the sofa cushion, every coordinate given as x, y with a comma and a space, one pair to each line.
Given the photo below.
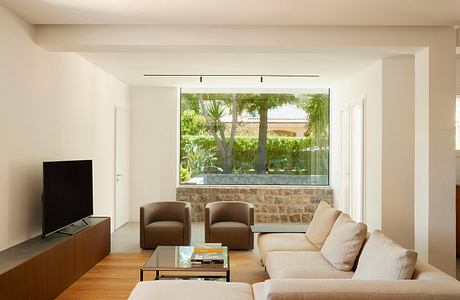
383, 259
326, 289
302, 264
283, 242
321, 224
344, 242
258, 290
190, 289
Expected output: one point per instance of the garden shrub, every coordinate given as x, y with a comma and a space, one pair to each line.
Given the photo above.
285, 155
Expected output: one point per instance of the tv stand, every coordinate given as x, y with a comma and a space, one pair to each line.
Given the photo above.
74, 228
42, 268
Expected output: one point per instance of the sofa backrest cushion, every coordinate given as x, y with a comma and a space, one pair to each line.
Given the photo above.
383, 259
321, 224
344, 242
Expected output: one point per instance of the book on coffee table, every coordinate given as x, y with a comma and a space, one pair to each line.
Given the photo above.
208, 248
207, 258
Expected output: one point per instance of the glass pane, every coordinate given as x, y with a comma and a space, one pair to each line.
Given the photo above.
255, 139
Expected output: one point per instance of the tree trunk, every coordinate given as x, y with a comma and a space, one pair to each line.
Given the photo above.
228, 161
228, 164
262, 142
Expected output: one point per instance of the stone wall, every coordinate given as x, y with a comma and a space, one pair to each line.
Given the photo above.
271, 204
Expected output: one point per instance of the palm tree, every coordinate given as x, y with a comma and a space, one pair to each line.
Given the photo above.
216, 108
262, 103
317, 108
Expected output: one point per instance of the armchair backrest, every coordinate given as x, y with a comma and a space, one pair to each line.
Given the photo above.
231, 211
164, 211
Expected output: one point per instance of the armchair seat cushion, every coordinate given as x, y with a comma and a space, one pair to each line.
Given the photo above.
230, 234
165, 233
229, 226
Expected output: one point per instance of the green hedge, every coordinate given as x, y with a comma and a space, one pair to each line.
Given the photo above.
285, 155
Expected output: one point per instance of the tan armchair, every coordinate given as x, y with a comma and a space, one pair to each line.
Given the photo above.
229, 223
166, 223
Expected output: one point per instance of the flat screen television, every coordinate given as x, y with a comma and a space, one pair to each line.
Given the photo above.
67, 193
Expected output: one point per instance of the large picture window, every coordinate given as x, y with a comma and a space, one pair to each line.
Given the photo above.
243, 138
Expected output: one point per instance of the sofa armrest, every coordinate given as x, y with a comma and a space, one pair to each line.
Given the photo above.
341, 289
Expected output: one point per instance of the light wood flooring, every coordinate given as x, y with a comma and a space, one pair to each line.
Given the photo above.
117, 274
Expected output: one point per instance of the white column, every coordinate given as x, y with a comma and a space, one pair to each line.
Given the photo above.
434, 184
398, 149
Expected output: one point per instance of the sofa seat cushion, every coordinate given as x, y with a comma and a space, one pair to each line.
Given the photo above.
343, 244
383, 259
235, 235
190, 289
164, 233
283, 242
321, 223
258, 290
302, 264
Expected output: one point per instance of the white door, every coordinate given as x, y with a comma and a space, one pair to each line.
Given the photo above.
352, 160
121, 167
357, 161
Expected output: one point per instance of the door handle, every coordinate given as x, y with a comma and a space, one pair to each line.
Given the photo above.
118, 177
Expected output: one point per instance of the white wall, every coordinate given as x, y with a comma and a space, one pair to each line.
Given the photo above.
154, 146
367, 83
388, 87
398, 136
54, 106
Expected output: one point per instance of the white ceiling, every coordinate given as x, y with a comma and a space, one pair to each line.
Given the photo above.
239, 12
332, 66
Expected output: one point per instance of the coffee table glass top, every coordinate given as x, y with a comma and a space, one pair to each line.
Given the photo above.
177, 258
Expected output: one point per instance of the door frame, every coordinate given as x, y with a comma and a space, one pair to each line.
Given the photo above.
115, 215
359, 101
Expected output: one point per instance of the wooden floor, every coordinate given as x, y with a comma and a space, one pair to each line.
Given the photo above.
117, 274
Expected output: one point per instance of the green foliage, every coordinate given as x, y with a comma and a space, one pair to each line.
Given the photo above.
317, 108
199, 159
285, 155
216, 110
189, 102
254, 102
184, 174
193, 123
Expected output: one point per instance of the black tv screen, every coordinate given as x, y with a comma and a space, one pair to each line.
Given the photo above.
67, 193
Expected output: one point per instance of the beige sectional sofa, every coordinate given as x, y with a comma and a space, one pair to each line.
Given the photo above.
313, 266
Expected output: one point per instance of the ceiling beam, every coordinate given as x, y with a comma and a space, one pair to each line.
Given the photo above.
152, 38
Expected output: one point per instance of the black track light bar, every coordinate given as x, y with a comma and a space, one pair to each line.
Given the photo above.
201, 76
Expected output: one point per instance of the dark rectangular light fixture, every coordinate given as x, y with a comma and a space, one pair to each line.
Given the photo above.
201, 76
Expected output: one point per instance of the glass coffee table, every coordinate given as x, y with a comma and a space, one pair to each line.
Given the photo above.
173, 262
